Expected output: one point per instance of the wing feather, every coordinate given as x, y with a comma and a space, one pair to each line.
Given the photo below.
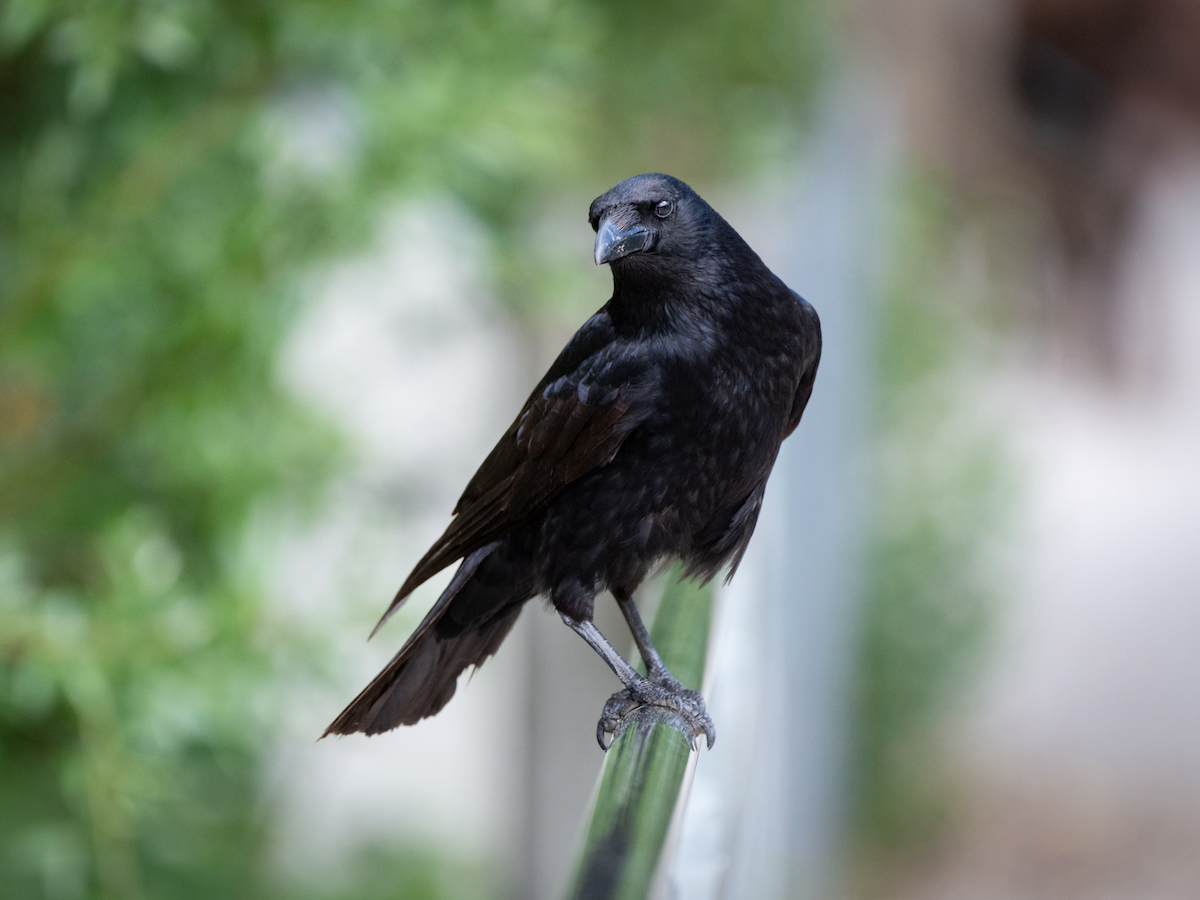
574, 421
808, 371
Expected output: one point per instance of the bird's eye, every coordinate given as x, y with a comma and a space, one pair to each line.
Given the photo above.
664, 208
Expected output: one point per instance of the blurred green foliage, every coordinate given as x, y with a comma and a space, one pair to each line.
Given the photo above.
169, 171
939, 499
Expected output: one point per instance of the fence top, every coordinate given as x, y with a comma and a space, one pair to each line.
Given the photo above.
647, 772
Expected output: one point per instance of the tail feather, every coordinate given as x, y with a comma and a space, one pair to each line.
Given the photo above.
465, 571
422, 677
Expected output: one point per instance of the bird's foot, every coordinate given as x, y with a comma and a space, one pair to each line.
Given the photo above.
661, 690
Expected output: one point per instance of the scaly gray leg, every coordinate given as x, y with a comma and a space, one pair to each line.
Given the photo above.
641, 637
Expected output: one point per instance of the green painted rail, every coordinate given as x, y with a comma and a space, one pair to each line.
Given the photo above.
645, 777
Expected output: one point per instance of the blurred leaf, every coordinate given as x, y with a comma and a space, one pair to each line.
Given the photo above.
940, 495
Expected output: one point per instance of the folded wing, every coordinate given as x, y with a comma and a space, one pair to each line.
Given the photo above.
575, 420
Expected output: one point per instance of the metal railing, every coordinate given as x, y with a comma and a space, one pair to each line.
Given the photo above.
647, 772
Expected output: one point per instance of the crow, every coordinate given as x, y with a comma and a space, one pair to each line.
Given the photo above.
650, 438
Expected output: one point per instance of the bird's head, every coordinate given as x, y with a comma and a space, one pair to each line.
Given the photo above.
649, 216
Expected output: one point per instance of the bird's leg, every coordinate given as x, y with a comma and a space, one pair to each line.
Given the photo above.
598, 642
659, 690
656, 669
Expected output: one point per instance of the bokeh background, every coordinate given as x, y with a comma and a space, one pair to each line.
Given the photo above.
273, 277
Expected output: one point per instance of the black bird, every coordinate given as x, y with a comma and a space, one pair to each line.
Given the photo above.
650, 438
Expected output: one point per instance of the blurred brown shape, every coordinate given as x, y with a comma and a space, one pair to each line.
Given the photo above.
1140, 46
1060, 110
1108, 91
22, 411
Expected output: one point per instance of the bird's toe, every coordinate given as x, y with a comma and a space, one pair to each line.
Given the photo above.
690, 714
619, 705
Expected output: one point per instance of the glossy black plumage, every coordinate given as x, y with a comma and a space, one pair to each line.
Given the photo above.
650, 437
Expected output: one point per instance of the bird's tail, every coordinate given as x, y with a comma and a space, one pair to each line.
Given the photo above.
467, 625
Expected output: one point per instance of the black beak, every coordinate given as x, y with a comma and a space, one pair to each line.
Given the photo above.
612, 244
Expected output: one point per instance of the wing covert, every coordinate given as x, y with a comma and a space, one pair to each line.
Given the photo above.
574, 421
